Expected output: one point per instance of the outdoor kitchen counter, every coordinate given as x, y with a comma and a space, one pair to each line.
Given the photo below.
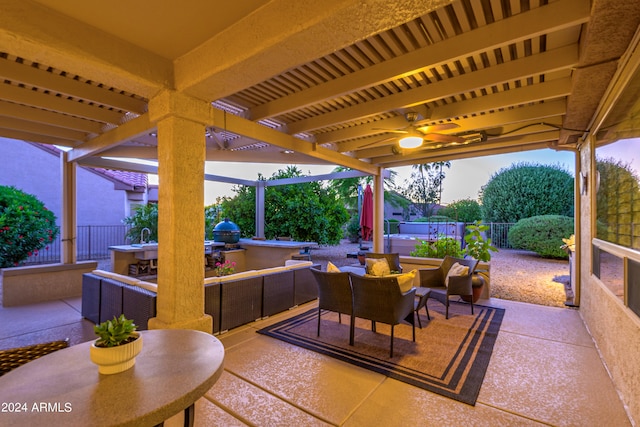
124, 255
249, 255
270, 253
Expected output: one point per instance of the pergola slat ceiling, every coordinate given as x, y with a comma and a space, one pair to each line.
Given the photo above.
502, 70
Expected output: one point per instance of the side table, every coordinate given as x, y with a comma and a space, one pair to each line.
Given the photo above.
422, 295
174, 369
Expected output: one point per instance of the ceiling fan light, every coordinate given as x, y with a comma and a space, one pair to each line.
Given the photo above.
410, 141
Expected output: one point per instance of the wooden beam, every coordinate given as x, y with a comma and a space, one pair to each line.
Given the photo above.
558, 59
241, 126
32, 76
552, 17
129, 130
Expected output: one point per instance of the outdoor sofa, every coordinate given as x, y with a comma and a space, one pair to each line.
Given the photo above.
231, 300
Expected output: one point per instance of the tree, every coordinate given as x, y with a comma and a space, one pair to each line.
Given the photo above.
523, 190
26, 226
465, 210
212, 216
425, 185
307, 211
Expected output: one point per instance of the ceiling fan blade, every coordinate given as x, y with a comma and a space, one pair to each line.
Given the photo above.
375, 143
439, 137
438, 128
390, 130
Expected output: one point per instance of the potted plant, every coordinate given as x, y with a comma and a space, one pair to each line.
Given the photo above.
117, 345
478, 247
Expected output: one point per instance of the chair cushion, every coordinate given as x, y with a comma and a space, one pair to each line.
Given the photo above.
331, 268
377, 266
456, 270
406, 280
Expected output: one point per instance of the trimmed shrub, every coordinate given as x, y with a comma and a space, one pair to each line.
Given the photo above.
26, 226
542, 234
525, 190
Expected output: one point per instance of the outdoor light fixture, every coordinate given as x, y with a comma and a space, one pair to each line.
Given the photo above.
413, 139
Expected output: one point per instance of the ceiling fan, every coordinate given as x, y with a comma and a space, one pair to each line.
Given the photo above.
415, 134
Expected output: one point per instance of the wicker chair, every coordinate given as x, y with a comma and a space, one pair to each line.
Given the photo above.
379, 299
334, 294
392, 259
434, 278
15, 357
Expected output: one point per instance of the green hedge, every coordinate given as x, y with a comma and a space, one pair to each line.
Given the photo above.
542, 234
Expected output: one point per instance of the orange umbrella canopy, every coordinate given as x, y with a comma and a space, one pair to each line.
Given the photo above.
366, 217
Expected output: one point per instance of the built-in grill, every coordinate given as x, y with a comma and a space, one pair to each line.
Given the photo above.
227, 232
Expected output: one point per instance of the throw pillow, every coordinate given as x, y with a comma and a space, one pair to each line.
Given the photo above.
377, 266
331, 268
406, 280
456, 270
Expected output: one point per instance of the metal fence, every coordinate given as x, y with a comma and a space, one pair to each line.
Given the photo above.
94, 241
498, 234
93, 244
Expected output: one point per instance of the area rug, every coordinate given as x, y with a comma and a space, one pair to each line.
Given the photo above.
449, 357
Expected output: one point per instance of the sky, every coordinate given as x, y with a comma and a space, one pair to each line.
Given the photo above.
463, 180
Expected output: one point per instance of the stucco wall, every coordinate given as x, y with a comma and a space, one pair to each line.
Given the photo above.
37, 172
615, 328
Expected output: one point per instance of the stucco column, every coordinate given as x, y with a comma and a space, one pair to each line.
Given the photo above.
68, 222
181, 155
378, 213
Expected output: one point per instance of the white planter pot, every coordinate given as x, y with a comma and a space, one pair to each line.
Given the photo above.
111, 360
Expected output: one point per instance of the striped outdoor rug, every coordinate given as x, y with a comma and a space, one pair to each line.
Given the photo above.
449, 357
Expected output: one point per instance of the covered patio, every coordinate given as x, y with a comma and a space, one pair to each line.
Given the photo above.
333, 82
545, 369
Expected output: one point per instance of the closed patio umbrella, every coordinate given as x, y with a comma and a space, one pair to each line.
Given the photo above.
366, 216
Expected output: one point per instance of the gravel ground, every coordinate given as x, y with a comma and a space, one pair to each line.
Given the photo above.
516, 275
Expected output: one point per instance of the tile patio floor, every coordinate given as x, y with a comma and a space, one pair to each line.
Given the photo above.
545, 370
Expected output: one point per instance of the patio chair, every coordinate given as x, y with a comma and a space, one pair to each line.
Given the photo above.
392, 259
441, 288
379, 299
16, 357
334, 294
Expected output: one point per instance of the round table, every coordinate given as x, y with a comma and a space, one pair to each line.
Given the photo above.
174, 369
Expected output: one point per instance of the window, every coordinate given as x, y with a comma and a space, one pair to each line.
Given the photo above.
618, 196
615, 251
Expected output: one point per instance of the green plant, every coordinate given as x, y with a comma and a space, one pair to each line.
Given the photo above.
115, 332
353, 229
26, 226
144, 216
524, 190
225, 268
438, 249
465, 210
478, 246
307, 211
542, 234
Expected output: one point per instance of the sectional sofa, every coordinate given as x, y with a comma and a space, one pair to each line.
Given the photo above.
231, 300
